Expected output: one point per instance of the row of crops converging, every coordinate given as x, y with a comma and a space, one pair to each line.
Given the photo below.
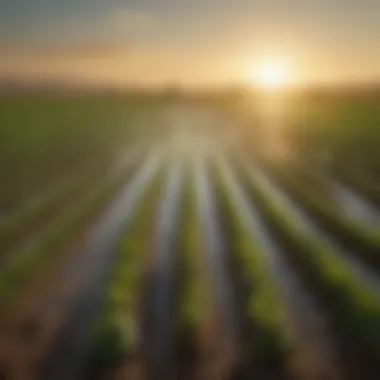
214, 268
214, 238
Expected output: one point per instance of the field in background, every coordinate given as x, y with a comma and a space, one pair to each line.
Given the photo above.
44, 139
177, 237
330, 127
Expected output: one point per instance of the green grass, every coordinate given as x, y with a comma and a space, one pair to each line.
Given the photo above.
44, 139
345, 128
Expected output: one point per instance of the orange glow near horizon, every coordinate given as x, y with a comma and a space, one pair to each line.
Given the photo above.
271, 76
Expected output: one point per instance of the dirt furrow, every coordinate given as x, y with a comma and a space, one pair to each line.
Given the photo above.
354, 206
160, 351
61, 304
361, 270
215, 249
315, 356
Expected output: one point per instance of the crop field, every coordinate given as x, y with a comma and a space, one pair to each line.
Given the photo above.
156, 238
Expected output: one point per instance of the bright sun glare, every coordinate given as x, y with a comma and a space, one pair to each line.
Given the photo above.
271, 76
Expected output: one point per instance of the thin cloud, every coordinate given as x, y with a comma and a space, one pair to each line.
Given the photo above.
66, 51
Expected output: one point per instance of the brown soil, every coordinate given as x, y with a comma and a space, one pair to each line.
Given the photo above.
211, 356
30, 324
34, 319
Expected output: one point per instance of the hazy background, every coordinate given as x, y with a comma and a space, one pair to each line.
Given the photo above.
191, 43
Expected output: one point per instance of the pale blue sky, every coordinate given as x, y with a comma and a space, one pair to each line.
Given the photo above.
198, 41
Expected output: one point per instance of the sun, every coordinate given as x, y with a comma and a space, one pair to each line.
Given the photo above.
271, 76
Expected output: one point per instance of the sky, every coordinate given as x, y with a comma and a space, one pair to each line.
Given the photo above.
189, 42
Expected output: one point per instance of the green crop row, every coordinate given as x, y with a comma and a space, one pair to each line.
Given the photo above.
190, 280
367, 186
354, 305
54, 200
308, 178
270, 334
362, 239
116, 332
17, 271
